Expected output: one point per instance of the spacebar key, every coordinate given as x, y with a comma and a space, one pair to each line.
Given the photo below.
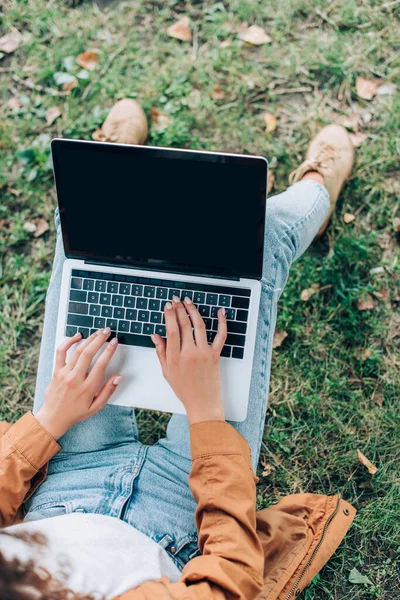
131, 339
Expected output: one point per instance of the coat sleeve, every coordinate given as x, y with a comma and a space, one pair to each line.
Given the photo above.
25, 449
223, 485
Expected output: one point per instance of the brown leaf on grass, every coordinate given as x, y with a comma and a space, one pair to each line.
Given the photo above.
14, 103
70, 85
29, 226
268, 469
14, 192
181, 30
218, 93
350, 121
41, 227
366, 302
279, 336
367, 88
367, 463
225, 43
253, 35
396, 226
349, 218
87, 60
10, 42
271, 181
366, 353
160, 120
357, 138
378, 399
270, 122
52, 114
387, 89
194, 98
307, 293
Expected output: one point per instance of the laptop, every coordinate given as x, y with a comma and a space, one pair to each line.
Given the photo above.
141, 224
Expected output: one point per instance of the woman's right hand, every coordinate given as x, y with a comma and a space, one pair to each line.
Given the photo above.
191, 365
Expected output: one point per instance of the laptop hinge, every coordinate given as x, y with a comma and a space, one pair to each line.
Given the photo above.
102, 263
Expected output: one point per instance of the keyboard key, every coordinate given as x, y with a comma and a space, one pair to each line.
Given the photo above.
83, 273
112, 287
106, 311
131, 339
143, 315
112, 324
131, 314
123, 326
99, 323
208, 323
234, 339
224, 300
212, 299
226, 351
129, 301
142, 303
186, 294
137, 290
93, 297
239, 302
77, 296
88, 284
237, 352
173, 293
95, 310
161, 293
155, 317
84, 331
199, 297
214, 311
210, 336
204, 310
105, 299
119, 313
230, 313
160, 329
149, 291
100, 286
148, 329
154, 305
136, 328
92, 331
118, 300
124, 288
80, 320
242, 315
76, 283
70, 331
163, 303
78, 307
233, 326
120, 278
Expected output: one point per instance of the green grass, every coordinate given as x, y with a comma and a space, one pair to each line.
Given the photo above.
325, 401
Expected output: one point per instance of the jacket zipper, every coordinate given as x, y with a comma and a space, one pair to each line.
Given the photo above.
317, 547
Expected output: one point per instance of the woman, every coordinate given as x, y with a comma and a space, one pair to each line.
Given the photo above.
116, 517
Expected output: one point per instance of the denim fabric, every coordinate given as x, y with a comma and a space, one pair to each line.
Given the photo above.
103, 467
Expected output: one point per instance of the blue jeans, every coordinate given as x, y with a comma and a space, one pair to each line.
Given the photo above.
104, 468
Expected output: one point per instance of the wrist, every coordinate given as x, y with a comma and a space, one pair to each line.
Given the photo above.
51, 423
200, 414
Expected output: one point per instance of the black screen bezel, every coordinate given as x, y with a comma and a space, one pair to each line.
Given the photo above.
259, 163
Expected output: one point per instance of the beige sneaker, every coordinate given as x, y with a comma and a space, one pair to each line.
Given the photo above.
331, 154
126, 123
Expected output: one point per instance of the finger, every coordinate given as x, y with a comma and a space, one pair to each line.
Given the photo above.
79, 349
61, 354
185, 325
172, 327
198, 323
96, 374
88, 353
101, 399
160, 351
220, 338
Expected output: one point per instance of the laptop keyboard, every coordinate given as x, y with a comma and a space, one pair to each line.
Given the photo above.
133, 308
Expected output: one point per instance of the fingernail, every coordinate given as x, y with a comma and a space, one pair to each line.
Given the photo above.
188, 300
106, 331
78, 333
223, 311
114, 341
153, 338
168, 306
176, 298
117, 379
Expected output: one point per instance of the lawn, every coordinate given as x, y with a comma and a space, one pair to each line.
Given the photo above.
335, 378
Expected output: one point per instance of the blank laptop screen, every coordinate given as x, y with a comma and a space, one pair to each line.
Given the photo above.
161, 209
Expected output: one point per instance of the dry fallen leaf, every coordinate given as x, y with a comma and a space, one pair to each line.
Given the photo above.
268, 468
367, 463
357, 138
218, 93
87, 60
349, 218
160, 120
349, 121
367, 88
14, 192
253, 35
14, 103
180, 30
279, 336
10, 42
396, 226
365, 302
52, 114
194, 99
366, 353
70, 85
29, 227
307, 293
271, 181
378, 399
270, 122
387, 89
225, 43
41, 226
